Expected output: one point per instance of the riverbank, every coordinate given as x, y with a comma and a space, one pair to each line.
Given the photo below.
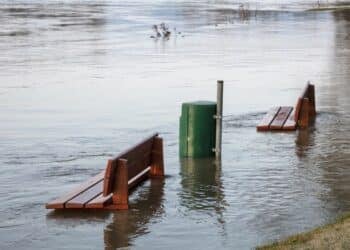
331, 236
331, 7
340, 8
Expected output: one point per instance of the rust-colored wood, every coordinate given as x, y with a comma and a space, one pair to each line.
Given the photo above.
303, 121
136, 165
59, 202
132, 183
110, 189
138, 159
143, 175
109, 177
100, 201
120, 190
281, 118
312, 100
303, 113
157, 159
141, 150
141, 147
297, 109
305, 92
83, 198
264, 124
309, 93
290, 123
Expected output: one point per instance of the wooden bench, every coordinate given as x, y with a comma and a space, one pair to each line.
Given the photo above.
110, 188
289, 118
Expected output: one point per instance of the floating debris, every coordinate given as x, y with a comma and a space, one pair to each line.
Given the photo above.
155, 29
163, 31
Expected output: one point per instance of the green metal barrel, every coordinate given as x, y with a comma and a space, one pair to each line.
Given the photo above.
197, 129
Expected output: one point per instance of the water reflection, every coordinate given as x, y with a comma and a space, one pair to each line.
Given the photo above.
73, 217
333, 137
146, 205
127, 225
341, 64
202, 188
305, 139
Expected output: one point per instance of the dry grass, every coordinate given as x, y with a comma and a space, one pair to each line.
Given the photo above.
332, 236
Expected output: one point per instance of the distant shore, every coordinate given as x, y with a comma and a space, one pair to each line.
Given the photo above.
331, 7
331, 236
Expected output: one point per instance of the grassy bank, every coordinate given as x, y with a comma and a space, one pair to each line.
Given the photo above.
331, 236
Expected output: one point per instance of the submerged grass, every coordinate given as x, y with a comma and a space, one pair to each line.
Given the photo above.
332, 236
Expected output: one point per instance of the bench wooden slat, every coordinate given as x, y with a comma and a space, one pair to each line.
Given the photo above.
281, 118
138, 178
141, 147
290, 123
268, 119
83, 198
138, 165
59, 202
100, 201
139, 159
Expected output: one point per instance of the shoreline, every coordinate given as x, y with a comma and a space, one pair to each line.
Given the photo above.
331, 7
335, 235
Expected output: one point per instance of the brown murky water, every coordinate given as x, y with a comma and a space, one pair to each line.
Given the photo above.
82, 80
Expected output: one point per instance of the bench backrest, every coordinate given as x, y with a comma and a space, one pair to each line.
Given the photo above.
138, 159
305, 103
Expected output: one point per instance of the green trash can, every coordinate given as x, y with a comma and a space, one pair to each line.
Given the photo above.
197, 129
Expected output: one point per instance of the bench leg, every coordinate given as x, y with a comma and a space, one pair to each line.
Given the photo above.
303, 120
157, 165
120, 190
311, 96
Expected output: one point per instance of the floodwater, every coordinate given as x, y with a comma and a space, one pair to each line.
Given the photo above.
82, 80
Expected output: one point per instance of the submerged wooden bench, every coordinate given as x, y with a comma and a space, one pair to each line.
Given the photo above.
110, 188
289, 118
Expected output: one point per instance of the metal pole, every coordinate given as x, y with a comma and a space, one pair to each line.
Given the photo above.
218, 136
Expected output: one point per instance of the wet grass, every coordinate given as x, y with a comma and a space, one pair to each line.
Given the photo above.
332, 236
